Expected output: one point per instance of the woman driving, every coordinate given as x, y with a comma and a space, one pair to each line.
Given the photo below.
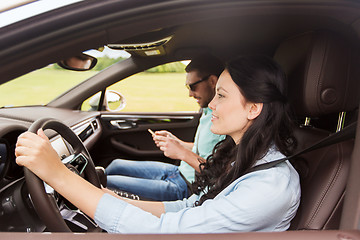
250, 107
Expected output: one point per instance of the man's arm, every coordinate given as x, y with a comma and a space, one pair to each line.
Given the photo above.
176, 149
192, 159
188, 145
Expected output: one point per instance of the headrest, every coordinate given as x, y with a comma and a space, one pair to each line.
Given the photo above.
323, 73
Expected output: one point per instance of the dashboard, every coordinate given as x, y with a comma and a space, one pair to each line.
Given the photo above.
16, 209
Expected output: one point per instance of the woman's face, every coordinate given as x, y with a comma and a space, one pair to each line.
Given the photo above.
232, 114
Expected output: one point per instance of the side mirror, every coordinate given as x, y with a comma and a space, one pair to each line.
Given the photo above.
113, 101
82, 62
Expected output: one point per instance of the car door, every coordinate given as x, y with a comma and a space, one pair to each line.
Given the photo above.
126, 135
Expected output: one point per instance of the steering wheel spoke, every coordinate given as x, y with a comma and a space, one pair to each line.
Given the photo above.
76, 163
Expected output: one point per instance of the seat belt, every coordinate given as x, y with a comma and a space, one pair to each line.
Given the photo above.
346, 133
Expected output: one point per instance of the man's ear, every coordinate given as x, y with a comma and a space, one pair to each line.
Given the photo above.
255, 110
213, 80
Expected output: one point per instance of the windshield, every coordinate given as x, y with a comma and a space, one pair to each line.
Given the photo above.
42, 86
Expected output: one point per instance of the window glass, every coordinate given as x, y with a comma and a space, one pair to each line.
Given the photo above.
92, 103
42, 86
160, 89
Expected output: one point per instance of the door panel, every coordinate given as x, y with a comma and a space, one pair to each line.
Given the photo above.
126, 135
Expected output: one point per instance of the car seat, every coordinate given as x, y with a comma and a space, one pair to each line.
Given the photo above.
322, 76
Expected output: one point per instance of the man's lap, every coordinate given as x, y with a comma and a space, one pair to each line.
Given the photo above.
141, 169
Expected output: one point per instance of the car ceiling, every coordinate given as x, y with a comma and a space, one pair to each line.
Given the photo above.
225, 28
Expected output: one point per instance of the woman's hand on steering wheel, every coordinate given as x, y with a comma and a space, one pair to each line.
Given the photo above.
34, 151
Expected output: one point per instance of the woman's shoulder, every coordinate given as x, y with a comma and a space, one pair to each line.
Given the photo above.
271, 155
282, 177
284, 168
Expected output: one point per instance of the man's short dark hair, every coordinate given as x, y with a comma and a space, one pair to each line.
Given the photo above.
206, 64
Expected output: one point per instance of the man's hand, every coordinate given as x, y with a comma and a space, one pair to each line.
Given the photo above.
162, 133
170, 145
174, 148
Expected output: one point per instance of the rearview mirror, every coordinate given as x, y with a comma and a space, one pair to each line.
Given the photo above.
82, 62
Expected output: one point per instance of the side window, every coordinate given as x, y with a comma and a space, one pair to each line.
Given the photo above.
160, 89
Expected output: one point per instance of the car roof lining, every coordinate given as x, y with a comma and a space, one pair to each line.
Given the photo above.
194, 25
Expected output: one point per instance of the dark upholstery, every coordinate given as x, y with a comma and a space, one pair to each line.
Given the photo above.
314, 62
323, 175
323, 70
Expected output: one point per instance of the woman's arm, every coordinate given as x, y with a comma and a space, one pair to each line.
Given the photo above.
242, 206
36, 153
154, 207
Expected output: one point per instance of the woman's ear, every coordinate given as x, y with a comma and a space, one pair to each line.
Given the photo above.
255, 110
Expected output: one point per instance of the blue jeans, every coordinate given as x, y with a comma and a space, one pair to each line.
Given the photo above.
149, 179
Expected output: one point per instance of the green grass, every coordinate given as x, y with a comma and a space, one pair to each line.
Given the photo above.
39, 87
144, 92
156, 92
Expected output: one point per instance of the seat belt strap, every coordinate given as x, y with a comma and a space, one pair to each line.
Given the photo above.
346, 133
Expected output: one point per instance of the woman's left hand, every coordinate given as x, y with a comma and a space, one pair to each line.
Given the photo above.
35, 152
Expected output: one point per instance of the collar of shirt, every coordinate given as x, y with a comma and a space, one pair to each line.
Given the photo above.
206, 111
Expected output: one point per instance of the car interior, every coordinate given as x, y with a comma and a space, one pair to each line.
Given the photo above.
323, 172
317, 44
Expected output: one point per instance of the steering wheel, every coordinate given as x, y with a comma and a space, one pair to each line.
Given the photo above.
44, 203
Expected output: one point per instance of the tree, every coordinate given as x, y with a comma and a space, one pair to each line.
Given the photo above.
169, 67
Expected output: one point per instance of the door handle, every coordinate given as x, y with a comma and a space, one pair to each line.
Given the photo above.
123, 124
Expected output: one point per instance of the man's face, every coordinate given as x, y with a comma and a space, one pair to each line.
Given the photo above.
204, 89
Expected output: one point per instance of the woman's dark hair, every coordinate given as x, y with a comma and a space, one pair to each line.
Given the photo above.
260, 80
